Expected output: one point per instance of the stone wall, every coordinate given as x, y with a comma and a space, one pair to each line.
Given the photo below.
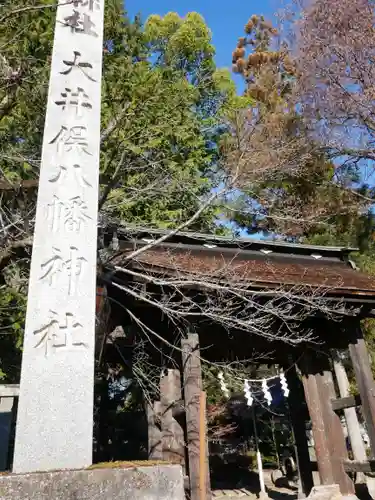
161, 482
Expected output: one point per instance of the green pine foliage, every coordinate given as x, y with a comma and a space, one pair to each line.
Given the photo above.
159, 83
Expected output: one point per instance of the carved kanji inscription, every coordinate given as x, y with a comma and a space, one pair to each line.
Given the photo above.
90, 4
63, 332
69, 215
74, 173
81, 23
79, 65
71, 139
76, 100
58, 266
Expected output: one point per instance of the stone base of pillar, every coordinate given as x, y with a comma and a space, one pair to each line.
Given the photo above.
263, 496
162, 482
329, 492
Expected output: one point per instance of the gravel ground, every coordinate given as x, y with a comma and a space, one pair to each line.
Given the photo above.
274, 493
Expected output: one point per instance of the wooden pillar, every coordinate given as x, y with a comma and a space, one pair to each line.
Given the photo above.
317, 421
172, 432
299, 432
155, 449
103, 430
362, 368
337, 443
203, 462
352, 423
103, 313
328, 435
192, 384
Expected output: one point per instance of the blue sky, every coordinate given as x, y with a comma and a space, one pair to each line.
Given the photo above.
226, 19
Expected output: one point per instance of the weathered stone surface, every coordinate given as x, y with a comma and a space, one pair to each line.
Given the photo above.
55, 411
141, 483
263, 496
325, 492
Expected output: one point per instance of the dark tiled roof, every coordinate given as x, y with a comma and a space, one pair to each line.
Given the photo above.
337, 277
258, 263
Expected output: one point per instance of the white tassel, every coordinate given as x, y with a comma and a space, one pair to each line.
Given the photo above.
266, 392
223, 386
248, 395
284, 385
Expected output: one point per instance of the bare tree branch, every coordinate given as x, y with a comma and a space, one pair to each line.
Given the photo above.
33, 7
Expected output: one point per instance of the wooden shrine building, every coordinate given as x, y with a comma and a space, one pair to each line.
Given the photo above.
148, 286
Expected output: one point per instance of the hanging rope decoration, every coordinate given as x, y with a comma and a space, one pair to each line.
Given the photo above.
247, 388
266, 392
247, 392
284, 385
223, 386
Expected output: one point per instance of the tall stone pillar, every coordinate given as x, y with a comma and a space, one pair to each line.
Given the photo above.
55, 412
